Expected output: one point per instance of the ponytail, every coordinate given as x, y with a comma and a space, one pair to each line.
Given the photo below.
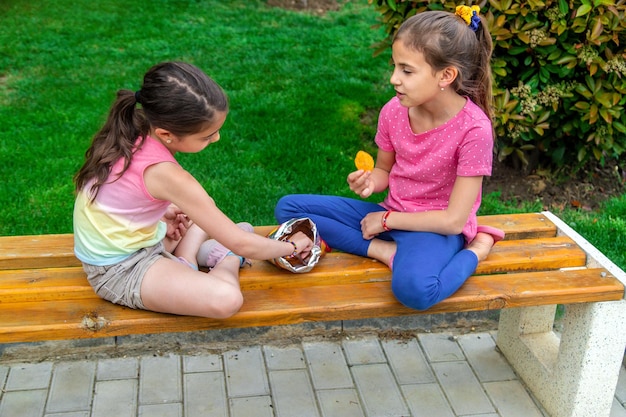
115, 140
483, 94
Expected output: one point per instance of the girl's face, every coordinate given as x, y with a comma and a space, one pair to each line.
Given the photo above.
413, 78
198, 141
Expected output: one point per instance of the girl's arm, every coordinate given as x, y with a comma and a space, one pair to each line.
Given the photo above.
366, 183
446, 222
170, 182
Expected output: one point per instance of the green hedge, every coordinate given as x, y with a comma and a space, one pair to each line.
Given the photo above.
559, 71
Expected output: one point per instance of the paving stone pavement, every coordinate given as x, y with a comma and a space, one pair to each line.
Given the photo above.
430, 375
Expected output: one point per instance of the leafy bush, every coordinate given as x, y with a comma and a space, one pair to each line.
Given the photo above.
559, 70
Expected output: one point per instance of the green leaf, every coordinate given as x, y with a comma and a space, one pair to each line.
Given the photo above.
495, 4
566, 59
606, 115
591, 83
583, 10
620, 127
605, 99
593, 113
597, 153
499, 71
597, 29
521, 156
504, 152
518, 50
564, 71
554, 55
544, 74
582, 105
544, 117
558, 153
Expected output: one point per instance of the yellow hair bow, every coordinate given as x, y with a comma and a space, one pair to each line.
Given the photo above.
470, 15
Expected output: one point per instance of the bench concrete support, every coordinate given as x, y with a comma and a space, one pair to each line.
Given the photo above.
573, 375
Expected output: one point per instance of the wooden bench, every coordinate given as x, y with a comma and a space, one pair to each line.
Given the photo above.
44, 295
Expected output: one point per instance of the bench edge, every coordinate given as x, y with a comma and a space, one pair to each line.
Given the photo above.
595, 257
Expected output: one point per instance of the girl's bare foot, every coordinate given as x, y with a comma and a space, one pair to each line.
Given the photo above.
382, 250
481, 245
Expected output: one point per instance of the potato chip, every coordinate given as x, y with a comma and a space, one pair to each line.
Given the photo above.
364, 161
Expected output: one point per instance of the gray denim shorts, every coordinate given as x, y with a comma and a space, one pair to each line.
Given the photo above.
121, 283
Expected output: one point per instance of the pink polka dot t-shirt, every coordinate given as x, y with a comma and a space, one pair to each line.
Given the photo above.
427, 164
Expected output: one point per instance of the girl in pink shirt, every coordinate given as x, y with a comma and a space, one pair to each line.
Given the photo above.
141, 222
435, 144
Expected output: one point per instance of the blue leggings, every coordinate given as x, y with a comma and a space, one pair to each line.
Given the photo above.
427, 268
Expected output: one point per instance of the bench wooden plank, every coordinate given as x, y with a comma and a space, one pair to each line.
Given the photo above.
533, 254
28, 285
56, 250
506, 256
521, 226
86, 318
37, 251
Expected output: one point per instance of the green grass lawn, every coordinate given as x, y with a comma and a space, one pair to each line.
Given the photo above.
304, 90
299, 86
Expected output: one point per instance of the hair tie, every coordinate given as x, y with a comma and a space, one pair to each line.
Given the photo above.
137, 97
470, 15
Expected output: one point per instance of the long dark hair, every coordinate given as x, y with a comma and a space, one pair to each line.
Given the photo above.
446, 40
175, 96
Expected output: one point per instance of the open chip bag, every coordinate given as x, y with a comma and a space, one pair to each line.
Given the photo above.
288, 229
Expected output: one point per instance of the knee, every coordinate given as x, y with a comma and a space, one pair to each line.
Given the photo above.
412, 292
229, 303
284, 208
288, 207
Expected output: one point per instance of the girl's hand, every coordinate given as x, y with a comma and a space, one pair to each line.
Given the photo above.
303, 245
177, 223
372, 225
361, 183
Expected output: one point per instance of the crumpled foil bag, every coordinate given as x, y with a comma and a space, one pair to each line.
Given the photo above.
288, 229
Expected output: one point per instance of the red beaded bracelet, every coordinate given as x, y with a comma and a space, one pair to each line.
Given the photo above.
384, 220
